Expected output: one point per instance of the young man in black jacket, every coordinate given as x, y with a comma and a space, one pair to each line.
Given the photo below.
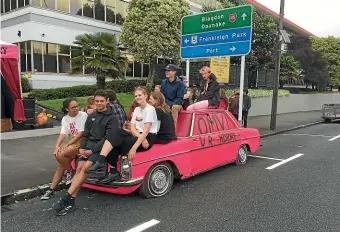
96, 127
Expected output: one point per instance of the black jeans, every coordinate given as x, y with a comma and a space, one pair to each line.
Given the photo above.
123, 141
245, 118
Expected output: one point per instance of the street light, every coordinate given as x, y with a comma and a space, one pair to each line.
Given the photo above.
277, 68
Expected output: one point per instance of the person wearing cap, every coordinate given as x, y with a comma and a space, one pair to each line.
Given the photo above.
173, 90
210, 92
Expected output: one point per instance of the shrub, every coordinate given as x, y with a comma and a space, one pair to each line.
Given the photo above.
120, 86
24, 85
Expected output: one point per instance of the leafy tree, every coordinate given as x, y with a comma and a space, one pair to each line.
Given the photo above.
289, 68
263, 37
329, 49
100, 54
313, 66
152, 29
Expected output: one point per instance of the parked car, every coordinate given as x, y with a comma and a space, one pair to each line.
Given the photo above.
206, 140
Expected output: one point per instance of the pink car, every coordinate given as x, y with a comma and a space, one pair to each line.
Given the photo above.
206, 140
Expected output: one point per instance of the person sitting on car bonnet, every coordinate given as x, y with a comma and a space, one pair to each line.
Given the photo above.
173, 90
73, 123
210, 92
166, 132
144, 127
96, 128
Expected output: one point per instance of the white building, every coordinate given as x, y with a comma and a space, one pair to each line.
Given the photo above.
45, 30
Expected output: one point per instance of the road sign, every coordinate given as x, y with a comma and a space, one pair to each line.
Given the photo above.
225, 32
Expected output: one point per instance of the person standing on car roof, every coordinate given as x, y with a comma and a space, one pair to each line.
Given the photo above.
173, 90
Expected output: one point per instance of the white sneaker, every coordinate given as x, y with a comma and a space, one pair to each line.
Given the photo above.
68, 179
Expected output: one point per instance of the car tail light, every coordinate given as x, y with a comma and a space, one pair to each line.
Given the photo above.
125, 168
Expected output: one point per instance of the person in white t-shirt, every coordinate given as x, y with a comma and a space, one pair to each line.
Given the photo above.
144, 127
72, 125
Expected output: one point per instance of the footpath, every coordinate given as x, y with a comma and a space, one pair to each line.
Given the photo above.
27, 160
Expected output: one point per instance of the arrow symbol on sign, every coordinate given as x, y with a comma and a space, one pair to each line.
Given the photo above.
244, 16
232, 49
186, 41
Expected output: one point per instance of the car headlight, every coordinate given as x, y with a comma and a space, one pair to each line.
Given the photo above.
125, 168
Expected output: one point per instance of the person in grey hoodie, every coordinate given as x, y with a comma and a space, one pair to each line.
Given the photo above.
246, 107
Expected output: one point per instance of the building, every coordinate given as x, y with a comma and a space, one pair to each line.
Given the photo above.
45, 30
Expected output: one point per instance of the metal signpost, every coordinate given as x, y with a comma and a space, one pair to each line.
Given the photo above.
225, 32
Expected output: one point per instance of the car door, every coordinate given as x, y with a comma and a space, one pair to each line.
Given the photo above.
204, 144
227, 134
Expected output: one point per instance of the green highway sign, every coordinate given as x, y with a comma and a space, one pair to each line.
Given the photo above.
225, 32
234, 17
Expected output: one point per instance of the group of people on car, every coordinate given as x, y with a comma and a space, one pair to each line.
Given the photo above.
100, 133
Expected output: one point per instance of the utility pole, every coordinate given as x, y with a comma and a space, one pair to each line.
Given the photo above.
277, 68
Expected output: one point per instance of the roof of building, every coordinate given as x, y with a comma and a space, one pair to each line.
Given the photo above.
286, 23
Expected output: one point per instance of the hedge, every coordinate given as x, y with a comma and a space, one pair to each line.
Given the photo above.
24, 85
120, 86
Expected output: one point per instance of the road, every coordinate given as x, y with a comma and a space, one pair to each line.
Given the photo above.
302, 194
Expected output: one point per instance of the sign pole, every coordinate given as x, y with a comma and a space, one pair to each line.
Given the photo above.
187, 71
277, 69
240, 104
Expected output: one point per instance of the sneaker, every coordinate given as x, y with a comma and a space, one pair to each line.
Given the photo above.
110, 178
68, 179
58, 206
66, 209
97, 167
48, 195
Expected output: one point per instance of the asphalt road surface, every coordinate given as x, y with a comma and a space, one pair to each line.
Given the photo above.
292, 186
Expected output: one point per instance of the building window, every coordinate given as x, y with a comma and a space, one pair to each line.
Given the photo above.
145, 70
50, 57
37, 56
129, 71
2, 6
99, 10
23, 55
75, 51
36, 2
63, 5
137, 69
7, 5
29, 56
110, 11
76, 7
14, 4
64, 58
88, 8
121, 10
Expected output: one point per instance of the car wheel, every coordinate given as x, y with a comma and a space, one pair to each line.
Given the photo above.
158, 181
242, 155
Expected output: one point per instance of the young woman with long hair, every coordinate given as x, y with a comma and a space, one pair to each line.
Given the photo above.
144, 127
166, 132
72, 124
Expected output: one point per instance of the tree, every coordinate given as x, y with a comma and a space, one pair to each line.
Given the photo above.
152, 29
329, 48
313, 66
263, 37
289, 68
99, 53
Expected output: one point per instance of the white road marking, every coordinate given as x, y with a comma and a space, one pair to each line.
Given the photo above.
284, 161
264, 157
144, 226
334, 138
325, 136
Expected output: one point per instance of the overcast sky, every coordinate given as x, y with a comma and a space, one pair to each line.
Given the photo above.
322, 18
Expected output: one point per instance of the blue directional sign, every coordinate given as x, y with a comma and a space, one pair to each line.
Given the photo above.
226, 32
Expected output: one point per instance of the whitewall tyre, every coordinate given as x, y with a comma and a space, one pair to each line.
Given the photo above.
158, 181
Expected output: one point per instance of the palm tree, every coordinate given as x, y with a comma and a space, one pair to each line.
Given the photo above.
100, 53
